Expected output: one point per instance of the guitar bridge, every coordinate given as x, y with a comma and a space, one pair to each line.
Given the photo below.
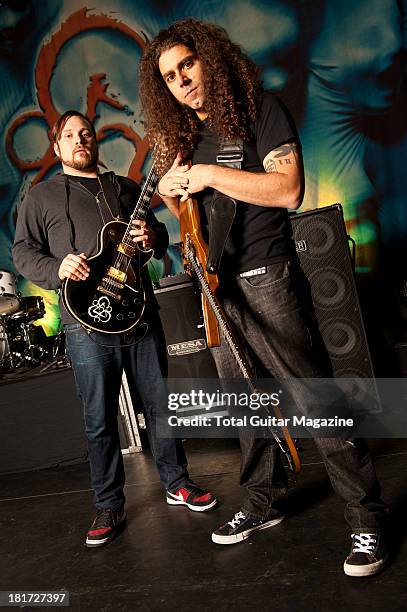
111, 288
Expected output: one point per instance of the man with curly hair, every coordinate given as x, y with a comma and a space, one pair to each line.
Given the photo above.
200, 90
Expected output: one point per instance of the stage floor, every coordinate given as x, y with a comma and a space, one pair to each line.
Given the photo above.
165, 560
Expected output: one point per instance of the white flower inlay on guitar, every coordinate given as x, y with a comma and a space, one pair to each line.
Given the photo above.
100, 310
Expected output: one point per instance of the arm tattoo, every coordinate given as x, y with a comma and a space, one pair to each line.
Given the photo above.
286, 154
286, 149
270, 165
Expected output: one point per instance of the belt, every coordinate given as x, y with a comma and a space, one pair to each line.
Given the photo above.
254, 272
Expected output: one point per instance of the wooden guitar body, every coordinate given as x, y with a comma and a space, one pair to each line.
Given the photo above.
190, 229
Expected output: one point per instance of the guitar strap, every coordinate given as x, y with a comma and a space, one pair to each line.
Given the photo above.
222, 209
112, 204
108, 180
67, 214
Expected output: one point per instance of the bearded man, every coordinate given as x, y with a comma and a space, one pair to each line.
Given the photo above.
202, 94
56, 233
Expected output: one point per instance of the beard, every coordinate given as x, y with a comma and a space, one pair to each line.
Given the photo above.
87, 161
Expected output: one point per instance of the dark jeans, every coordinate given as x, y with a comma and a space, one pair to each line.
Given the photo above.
272, 315
98, 370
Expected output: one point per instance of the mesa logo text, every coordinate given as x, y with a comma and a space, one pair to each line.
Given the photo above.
186, 348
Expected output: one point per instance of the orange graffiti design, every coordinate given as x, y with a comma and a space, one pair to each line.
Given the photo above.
77, 23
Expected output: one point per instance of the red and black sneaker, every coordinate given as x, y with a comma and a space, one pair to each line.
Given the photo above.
193, 497
104, 527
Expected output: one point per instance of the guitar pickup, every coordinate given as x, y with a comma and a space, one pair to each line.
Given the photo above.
117, 274
110, 292
126, 249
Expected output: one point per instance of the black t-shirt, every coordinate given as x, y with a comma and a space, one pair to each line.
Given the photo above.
92, 184
259, 235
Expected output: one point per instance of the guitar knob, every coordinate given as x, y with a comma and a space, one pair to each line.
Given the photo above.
131, 315
125, 302
119, 317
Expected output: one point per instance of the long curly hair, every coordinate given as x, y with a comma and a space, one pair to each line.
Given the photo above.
231, 85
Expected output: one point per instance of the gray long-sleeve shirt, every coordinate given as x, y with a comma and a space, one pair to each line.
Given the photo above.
43, 232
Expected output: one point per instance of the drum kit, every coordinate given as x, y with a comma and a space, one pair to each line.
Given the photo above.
21, 343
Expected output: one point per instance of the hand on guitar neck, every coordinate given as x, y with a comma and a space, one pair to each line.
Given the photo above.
144, 234
174, 185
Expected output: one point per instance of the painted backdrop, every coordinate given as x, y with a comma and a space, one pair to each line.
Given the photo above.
338, 65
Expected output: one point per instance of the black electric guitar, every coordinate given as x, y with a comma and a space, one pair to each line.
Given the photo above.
112, 299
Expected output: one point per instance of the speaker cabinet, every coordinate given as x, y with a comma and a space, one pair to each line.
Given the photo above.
187, 351
322, 246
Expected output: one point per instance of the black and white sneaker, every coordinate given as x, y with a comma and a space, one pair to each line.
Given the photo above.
104, 527
193, 497
242, 527
367, 555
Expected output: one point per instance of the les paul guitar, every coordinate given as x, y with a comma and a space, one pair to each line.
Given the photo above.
112, 299
195, 254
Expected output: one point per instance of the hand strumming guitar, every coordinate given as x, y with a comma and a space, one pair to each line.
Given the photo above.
74, 267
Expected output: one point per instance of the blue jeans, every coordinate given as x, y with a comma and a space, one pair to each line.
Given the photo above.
98, 361
272, 315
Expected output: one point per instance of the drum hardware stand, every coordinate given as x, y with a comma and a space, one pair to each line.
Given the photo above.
8, 355
29, 354
59, 361
26, 355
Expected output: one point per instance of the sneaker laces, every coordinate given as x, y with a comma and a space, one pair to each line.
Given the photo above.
104, 518
191, 488
364, 542
235, 522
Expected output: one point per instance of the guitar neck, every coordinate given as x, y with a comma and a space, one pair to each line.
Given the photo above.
143, 204
233, 344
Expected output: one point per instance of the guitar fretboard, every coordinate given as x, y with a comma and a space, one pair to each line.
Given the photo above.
142, 206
